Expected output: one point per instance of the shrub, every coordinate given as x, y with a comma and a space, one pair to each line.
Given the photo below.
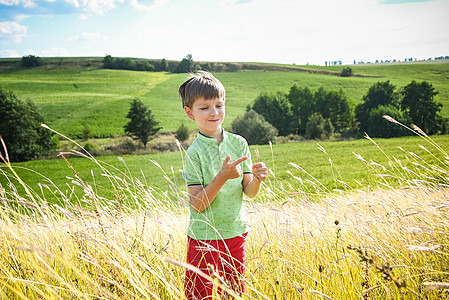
346, 72
276, 110
315, 126
31, 61
254, 128
182, 134
89, 147
379, 127
186, 65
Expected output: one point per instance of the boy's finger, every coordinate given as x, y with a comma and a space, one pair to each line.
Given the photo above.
227, 159
239, 160
259, 165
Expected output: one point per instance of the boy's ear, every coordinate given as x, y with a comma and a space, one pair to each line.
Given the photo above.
188, 112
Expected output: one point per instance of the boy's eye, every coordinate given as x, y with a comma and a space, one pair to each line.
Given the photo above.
203, 108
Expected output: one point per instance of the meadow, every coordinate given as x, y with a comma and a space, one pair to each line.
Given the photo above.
70, 98
358, 219
336, 165
386, 239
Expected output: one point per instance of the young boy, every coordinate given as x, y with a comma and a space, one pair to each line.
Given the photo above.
218, 171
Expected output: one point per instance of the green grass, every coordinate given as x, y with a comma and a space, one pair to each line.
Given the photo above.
70, 98
331, 167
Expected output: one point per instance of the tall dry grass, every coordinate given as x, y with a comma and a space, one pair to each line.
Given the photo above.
305, 242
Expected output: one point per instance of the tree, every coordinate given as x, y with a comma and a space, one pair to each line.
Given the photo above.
109, 62
381, 93
275, 109
338, 109
186, 65
418, 101
331, 105
163, 65
302, 105
142, 125
144, 66
377, 126
31, 61
20, 127
319, 128
254, 128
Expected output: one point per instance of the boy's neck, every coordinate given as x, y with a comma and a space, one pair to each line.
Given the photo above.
217, 135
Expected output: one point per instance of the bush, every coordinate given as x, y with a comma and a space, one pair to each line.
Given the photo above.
275, 109
346, 72
31, 61
182, 134
89, 147
254, 128
315, 126
291, 138
377, 126
186, 65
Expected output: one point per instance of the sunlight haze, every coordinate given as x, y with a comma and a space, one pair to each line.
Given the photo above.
283, 31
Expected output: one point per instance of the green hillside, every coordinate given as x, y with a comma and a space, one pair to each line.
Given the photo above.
71, 95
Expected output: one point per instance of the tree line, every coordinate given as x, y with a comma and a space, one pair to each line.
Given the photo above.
323, 113
186, 65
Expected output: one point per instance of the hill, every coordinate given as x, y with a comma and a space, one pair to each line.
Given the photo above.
75, 92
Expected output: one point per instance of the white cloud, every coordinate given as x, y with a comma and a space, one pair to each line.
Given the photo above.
20, 18
9, 53
94, 7
73, 2
147, 5
54, 52
12, 32
87, 37
25, 3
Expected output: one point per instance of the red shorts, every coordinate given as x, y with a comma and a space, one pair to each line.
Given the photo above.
226, 256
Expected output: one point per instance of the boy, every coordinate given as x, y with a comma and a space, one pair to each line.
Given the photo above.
218, 171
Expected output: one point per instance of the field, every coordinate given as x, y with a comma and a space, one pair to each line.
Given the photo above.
336, 164
358, 219
68, 99
307, 240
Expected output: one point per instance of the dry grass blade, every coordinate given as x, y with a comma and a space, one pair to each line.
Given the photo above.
430, 286
324, 296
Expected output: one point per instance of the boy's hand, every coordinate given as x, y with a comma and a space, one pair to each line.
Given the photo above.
231, 170
260, 171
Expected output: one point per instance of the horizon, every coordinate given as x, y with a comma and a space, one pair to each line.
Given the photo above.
265, 31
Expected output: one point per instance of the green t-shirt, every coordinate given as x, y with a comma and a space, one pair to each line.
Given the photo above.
225, 217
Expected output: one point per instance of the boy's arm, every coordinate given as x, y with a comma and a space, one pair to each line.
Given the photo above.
251, 182
202, 197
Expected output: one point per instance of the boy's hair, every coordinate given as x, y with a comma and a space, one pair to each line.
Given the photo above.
203, 85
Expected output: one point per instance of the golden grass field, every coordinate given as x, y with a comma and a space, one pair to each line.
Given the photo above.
370, 243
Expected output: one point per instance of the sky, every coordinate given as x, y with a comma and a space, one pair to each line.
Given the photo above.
271, 31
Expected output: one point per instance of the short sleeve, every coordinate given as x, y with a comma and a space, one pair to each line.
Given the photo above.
192, 172
247, 164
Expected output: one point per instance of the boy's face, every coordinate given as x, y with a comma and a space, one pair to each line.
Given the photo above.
208, 115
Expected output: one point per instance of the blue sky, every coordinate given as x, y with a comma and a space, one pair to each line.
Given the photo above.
277, 31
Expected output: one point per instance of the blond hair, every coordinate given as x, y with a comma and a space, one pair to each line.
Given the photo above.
201, 85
